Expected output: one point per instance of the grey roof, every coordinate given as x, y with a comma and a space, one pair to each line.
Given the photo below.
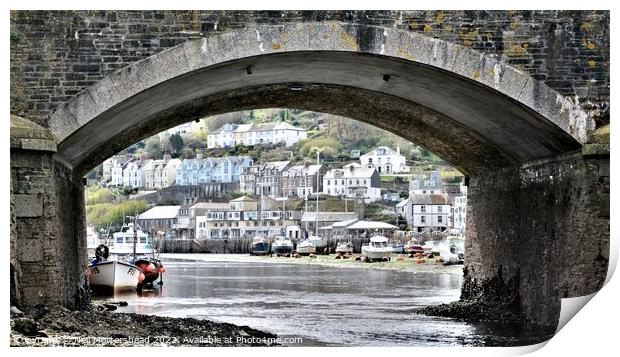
328, 216
421, 199
160, 212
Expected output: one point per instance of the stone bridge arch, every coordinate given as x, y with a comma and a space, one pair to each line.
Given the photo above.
524, 146
431, 91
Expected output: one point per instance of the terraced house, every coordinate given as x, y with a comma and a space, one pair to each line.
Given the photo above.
255, 134
214, 169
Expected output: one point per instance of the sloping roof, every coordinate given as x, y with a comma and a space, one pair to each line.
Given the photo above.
328, 216
402, 203
421, 199
350, 172
386, 151
371, 225
210, 205
160, 212
243, 199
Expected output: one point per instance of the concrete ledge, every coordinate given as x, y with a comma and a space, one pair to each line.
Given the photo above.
27, 135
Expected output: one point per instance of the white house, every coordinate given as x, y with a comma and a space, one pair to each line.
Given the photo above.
428, 212
385, 160
460, 210
230, 135
353, 180
133, 174
109, 164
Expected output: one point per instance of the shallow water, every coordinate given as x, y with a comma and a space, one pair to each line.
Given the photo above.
322, 305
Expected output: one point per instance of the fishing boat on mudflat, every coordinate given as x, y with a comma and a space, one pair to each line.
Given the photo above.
113, 276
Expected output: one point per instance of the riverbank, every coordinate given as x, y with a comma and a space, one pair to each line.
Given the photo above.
44, 326
406, 264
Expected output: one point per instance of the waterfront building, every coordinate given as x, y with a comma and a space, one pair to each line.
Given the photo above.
266, 177
159, 220
116, 170
133, 173
427, 212
225, 169
460, 210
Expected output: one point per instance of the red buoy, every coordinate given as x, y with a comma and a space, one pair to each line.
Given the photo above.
141, 277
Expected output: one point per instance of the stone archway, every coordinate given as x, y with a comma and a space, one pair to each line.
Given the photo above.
519, 141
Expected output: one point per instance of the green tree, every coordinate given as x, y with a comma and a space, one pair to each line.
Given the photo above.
153, 147
176, 143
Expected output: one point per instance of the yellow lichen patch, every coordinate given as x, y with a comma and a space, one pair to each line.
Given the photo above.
440, 17
428, 28
525, 45
489, 36
514, 26
276, 46
446, 28
468, 43
590, 45
476, 75
404, 53
516, 50
591, 63
349, 41
284, 36
512, 12
586, 26
413, 25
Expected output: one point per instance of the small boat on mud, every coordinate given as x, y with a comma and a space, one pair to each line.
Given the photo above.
305, 247
344, 248
320, 244
398, 248
412, 247
377, 249
260, 246
109, 276
282, 246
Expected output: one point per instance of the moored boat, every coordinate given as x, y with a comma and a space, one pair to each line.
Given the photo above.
122, 242
112, 276
305, 247
412, 247
344, 247
319, 244
282, 246
377, 249
398, 248
260, 246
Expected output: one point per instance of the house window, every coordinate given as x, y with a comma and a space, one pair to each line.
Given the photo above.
439, 209
423, 219
422, 208
439, 219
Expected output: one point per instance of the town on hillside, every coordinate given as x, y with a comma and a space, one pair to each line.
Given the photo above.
276, 172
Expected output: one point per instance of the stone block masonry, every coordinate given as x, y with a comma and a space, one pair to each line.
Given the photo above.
57, 54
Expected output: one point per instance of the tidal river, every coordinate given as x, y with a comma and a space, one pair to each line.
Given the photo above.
324, 305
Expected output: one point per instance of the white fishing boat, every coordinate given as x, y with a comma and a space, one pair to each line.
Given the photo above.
452, 250
282, 246
319, 244
113, 276
377, 249
344, 247
305, 247
122, 242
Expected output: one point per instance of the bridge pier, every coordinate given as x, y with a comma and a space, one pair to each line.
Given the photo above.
539, 232
48, 234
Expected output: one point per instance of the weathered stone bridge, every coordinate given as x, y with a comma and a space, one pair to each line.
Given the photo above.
517, 100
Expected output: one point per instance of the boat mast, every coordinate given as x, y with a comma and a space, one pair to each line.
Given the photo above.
316, 217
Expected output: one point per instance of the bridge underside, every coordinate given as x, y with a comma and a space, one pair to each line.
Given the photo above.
539, 201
